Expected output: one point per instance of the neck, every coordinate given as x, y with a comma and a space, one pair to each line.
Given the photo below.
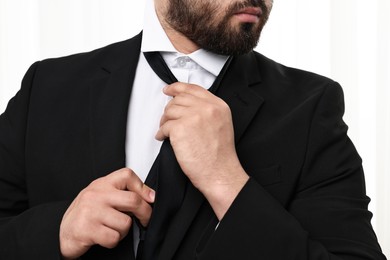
181, 43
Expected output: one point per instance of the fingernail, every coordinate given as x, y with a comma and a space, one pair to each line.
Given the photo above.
165, 88
152, 195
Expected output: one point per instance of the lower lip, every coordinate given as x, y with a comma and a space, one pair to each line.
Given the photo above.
247, 18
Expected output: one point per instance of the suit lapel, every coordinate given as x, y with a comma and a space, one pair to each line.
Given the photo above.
237, 91
109, 100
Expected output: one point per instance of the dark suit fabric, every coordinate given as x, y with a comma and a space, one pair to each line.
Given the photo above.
305, 198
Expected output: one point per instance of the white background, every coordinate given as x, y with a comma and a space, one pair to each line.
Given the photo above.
347, 40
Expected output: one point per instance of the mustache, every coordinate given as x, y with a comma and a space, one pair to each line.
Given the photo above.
236, 7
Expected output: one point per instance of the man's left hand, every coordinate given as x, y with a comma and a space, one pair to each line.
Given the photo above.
199, 126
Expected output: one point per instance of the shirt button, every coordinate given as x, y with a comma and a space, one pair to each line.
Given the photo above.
182, 62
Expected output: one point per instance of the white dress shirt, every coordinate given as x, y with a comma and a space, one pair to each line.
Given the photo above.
147, 100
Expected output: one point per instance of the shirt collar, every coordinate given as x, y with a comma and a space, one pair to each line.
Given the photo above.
154, 38
211, 62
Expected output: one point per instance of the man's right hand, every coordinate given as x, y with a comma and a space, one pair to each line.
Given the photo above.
101, 213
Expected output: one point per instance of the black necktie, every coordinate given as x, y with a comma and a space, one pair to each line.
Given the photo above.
165, 176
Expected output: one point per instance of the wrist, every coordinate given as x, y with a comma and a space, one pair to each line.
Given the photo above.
221, 193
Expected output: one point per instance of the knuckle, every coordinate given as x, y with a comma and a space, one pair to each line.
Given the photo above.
167, 107
126, 172
216, 111
127, 222
134, 200
130, 175
225, 107
209, 111
181, 86
112, 239
96, 182
137, 185
163, 119
137, 200
88, 195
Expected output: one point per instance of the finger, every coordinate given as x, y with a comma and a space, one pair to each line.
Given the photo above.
106, 237
164, 130
117, 221
143, 212
180, 87
184, 99
132, 203
173, 112
127, 201
126, 179
135, 184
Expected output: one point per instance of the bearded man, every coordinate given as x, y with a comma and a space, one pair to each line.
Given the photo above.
181, 143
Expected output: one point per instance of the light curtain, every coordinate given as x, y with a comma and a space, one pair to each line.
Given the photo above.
346, 40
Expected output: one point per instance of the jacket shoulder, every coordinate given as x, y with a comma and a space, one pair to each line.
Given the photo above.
273, 71
117, 54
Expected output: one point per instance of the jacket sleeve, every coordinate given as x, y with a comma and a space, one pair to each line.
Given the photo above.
25, 232
327, 217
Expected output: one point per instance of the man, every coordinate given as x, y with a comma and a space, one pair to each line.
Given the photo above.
264, 167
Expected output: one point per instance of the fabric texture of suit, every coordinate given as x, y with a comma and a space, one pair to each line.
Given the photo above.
305, 198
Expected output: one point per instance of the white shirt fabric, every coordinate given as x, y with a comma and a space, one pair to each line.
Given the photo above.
147, 100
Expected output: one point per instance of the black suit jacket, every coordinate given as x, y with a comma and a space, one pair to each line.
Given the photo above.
305, 198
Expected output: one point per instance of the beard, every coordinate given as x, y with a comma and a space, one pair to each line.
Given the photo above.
194, 19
